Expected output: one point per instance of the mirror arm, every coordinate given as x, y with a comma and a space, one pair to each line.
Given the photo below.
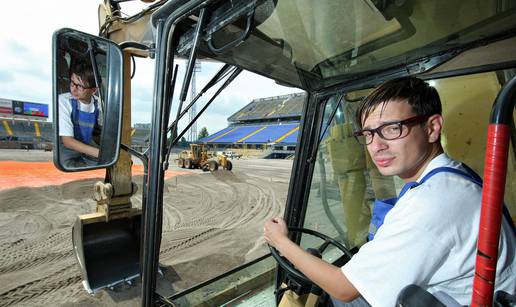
143, 157
134, 45
228, 81
145, 160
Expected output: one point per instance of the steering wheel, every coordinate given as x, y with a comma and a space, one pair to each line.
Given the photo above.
289, 267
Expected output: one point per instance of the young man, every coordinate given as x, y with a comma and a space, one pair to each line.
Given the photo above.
429, 237
78, 116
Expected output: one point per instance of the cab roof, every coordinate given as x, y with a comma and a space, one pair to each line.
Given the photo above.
316, 44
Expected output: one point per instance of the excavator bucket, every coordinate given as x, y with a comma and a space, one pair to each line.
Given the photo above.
108, 252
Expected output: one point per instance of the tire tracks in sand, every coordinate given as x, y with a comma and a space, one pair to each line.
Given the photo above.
38, 267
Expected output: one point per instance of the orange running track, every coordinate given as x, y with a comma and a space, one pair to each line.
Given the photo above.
14, 174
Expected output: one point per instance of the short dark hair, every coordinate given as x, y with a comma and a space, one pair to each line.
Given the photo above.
85, 72
422, 97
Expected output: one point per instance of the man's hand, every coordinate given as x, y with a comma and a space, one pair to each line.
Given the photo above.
73, 144
327, 276
274, 231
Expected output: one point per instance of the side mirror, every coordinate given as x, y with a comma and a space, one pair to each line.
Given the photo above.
87, 100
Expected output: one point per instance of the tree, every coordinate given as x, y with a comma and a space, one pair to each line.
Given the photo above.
183, 142
204, 133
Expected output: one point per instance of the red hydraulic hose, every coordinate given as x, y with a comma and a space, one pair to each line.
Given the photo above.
495, 170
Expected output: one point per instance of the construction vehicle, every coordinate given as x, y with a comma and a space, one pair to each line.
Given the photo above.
232, 154
198, 157
336, 51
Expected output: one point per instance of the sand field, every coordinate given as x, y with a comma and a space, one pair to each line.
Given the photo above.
212, 222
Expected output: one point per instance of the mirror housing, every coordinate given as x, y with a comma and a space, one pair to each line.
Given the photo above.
87, 100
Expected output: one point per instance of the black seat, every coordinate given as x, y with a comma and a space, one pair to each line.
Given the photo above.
504, 299
415, 296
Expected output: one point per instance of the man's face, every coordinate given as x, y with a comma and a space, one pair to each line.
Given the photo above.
405, 157
80, 89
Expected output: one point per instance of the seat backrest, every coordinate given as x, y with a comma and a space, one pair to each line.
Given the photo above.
504, 299
415, 296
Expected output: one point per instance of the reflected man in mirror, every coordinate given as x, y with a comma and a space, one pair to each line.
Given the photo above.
427, 235
79, 116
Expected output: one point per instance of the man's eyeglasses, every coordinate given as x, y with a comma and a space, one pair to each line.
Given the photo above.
388, 131
79, 86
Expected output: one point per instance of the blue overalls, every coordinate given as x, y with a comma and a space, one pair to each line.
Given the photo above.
83, 126
381, 207
83, 122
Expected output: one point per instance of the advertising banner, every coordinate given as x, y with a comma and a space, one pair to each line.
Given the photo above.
17, 107
35, 109
6, 107
29, 108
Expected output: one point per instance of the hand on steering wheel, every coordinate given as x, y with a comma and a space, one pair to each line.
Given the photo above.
289, 267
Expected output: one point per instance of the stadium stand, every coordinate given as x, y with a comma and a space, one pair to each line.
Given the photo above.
266, 127
32, 134
269, 124
16, 133
140, 136
277, 108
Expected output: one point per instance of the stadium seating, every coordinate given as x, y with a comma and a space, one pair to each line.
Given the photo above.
255, 134
260, 124
39, 132
271, 124
271, 108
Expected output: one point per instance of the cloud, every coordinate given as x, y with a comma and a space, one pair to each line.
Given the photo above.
17, 47
25, 69
246, 87
26, 66
21, 60
6, 76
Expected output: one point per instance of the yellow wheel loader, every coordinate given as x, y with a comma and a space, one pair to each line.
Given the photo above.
198, 157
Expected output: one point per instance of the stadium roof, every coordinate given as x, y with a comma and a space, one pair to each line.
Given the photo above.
271, 108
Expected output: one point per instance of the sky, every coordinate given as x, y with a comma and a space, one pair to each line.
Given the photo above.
26, 61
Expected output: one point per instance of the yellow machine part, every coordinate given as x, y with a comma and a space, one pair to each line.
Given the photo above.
7, 128
107, 242
471, 97
108, 252
346, 154
37, 130
348, 164
291, 299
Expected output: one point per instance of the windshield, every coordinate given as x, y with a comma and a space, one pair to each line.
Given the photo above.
320, 40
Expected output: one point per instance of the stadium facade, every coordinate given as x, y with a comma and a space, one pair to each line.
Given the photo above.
23, 124
267, 126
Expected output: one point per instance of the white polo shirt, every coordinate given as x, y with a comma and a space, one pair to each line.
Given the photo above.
429, 239
65, 113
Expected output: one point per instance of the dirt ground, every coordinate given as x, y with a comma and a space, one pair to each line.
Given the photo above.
212, 222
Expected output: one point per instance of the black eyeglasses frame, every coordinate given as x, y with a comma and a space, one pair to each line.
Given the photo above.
412, 120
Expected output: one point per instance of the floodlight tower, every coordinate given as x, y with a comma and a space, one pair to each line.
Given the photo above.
193, 110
